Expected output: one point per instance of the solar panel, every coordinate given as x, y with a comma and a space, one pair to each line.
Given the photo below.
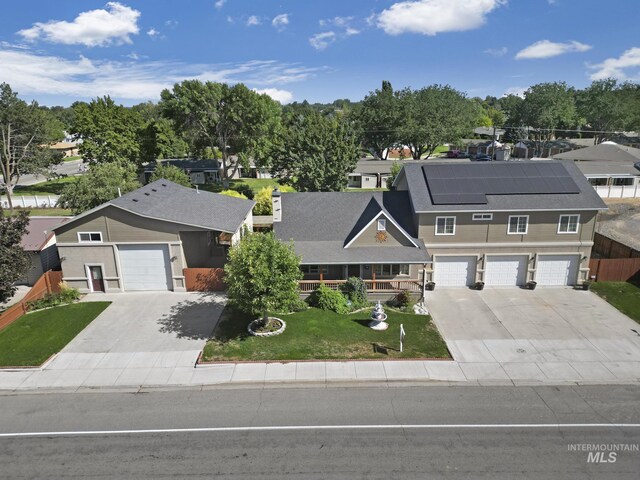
471, 183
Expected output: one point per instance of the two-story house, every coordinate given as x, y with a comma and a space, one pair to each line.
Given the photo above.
502, 223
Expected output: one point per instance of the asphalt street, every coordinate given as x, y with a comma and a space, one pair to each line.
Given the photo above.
66, 168
325, 433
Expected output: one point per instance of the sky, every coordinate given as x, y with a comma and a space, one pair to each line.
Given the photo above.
58, 52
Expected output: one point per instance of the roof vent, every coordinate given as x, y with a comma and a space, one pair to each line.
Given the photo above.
154, 190
147, 193
134, 199
164, 184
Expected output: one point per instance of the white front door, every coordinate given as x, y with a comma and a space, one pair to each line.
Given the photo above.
145, 267
454, 271
505, 270
557, 269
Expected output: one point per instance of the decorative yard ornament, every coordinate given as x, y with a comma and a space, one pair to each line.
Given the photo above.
381, 237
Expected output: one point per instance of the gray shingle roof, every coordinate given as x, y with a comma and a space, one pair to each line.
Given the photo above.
586, 198
607, 151
321, 224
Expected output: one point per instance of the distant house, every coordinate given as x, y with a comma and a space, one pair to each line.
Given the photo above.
489, 132
39, 242
612, 169
201, 170
66, 149
527, 148
370, 173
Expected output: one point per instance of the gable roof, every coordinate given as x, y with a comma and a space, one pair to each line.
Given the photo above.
321, 225
165, 200
39, 231
499, 186
606, 151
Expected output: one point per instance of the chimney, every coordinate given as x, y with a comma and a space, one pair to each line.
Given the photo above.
276, 203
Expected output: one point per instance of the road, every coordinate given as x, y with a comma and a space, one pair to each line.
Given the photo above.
324, 433
66, 168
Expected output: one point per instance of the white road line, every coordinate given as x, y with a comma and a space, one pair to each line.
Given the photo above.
317, 427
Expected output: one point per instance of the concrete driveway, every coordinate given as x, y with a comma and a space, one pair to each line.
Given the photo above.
140, 335
546, 333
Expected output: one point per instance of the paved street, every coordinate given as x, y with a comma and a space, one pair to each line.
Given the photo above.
66, 168
273, 433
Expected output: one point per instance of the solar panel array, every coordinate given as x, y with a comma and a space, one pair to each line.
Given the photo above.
458, 184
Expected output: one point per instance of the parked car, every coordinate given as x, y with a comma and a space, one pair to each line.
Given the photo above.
453, 154
483, 157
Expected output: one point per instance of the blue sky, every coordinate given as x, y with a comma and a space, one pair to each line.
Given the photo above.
60, 51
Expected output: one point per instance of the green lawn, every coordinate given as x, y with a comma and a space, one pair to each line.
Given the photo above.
43, 212
34, 337
51, 187
71, 159
318, 334
622, 295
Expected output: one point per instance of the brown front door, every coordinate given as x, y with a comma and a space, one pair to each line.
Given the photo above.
97, 282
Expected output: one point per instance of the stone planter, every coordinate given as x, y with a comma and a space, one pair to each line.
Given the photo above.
479, 286
258, 321
531, 285
430, 285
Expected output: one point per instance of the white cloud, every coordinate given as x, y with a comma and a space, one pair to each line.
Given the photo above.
430, 17
320, 41
615, 67
94, 28
547, 49
496, 52
280, 21
230, 19
81, 78
519, 91
171, 24
351, 31
220, 3
252, 21
152, 32
282, 96
336, 21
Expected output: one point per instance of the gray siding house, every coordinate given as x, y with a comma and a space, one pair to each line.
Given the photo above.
144, 239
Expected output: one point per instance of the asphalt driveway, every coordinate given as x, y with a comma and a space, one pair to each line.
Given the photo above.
141, 334
550, 329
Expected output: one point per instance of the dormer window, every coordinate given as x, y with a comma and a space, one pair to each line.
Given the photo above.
90, 237
382, 224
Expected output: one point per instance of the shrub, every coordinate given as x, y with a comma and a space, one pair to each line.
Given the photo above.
401, 300
356, 291
245, 190
233, 193
325, 298
67, 295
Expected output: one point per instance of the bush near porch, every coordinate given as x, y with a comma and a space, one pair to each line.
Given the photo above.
315, 334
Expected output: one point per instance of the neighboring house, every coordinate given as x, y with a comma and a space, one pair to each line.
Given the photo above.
39, 241
66, 148
503, 223
527, 148
612, 169
201, 171
144, 239
370, 173
489, 132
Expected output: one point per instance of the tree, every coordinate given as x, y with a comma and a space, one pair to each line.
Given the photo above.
102, 183
393, 174
317, 152
158, 140
435, 115
264, 205
262, 275
379, 120
231, 119
603, 108
109, 132
25, 134
14, 261
171, 173
545, 108
233, 193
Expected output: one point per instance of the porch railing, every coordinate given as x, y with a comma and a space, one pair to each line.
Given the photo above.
308, 286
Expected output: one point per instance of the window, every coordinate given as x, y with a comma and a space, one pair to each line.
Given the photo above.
622, 181
445, 225
314, 269
391, 270
90, 237
568, 223
598, 181
483, 216
518, 225
382, 224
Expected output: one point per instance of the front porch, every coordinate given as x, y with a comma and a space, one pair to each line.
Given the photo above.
373, 286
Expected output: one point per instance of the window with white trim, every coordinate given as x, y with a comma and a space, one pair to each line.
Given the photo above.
482, 216
90, 237
518, 225
311, 269
568, 223
445, 225
382, 224
391, 270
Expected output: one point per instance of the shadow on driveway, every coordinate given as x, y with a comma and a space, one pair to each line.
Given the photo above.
193, 319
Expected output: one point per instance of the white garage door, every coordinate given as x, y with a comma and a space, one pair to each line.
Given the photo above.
145, 267
503, 270
557, 269
454, 271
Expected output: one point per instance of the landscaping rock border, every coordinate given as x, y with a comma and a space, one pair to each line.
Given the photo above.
266, 334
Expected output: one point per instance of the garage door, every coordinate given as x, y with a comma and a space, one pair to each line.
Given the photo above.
505, 270
454, 271
557, 269
145, 267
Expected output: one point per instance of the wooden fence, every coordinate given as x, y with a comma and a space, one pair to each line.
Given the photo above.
204, 279
615, 269
608, 248
49, 282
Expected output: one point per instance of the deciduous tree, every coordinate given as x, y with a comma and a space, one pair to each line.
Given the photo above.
171, 173
379, 118
14, 261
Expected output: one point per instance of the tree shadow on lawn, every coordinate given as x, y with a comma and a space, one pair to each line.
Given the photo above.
193, 319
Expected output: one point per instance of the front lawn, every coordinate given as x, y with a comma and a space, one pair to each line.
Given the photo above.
33, 338
41, 212
622, 295
322, 335
50, 187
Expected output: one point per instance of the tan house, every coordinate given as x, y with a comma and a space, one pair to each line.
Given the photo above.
144, 239
39, 241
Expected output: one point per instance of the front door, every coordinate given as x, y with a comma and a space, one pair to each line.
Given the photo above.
97, 281
353, 271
